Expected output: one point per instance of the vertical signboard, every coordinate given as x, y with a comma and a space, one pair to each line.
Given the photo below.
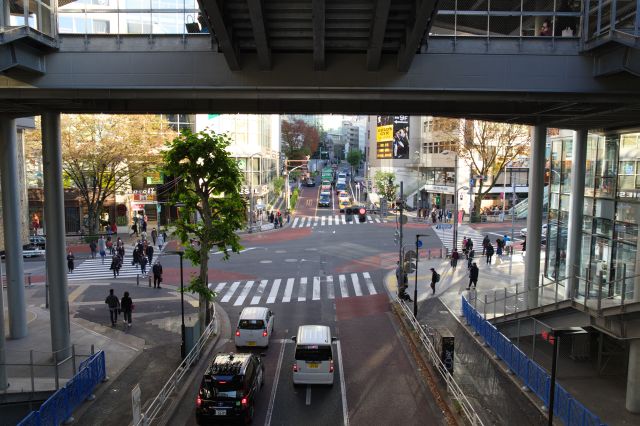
392, 137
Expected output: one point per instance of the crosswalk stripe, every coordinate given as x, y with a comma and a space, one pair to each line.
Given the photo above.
344, 291
274, 291
295, 222
324, 218
337, 218
356, 284
288, 290
308, 222
219, 287
344, 220
229, 294
316, 288
259, 292
330, 292
302, 291
316, 221
369, 282
330, 220
243, 294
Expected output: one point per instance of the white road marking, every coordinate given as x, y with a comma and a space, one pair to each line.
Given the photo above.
330, 292
295, 222
288, 290
315, 222
344, 291
259, 292
302, 292
330, 220
272, 398
229, 293
274, 291
356, 284
316, 288
219, 287
369, 282
343, 387
308, 398
323, 220
344, 220
309, 219
243, 294
337, 219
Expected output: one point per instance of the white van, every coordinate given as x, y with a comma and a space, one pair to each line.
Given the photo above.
313, 359
255, 327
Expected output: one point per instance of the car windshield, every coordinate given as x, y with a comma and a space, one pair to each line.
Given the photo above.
251, 324
313, 353
222, 387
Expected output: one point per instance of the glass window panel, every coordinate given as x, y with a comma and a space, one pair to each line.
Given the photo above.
587, 223
585, 261
626, 232
630, 146
627, 168
626, 183
624, 267
604, 209
168, 23
603, 227
504, 25
628, 212
135, 4
554, 201
471, 25
590, 170
565, 203
588, 206
135, 23
167, 4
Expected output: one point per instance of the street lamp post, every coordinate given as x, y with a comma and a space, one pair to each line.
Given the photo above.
183, 345
455, 217
415, 288
251, 191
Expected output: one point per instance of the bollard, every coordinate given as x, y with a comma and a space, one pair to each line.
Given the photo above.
505, 301
149, 276
137, 279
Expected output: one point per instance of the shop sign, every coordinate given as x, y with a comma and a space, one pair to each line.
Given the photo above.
439, 188
148, 194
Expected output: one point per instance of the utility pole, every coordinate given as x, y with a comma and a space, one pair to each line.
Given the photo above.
513, 214
400, 205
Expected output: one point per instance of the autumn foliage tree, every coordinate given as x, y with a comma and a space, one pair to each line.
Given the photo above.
298, 139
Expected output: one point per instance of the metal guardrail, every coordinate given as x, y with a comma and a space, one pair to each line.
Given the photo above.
178, 376
452, 387
60, 406
535, 378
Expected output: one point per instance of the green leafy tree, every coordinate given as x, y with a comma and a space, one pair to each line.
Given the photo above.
354, 157
278, 185
299, 139
208, 187
385, 185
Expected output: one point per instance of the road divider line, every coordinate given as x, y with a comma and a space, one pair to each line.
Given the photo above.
343, 387
276, 378
287, 291
274, 291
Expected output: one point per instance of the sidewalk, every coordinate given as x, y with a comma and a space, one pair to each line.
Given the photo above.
495, 393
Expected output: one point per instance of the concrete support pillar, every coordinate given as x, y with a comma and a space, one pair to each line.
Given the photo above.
5, 14
534, 216
54, 220
632, 402
576, 210
11, 220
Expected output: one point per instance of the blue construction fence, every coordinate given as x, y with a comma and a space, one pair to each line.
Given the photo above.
60, 406
536, 378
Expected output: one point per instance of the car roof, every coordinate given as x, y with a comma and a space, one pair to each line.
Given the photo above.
253, 312
325, 194
228, 363
313, 334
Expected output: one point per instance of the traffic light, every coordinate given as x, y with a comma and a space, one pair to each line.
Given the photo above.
349, 213
362, 214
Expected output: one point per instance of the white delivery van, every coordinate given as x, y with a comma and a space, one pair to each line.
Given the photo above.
255, 327
313, 359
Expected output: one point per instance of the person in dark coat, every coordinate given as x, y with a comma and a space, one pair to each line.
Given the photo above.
150, 254
489, 253
70, 259
157, 274
454, 258
143, 264
435, 277
154, 237
485, 242
126, 305
114, 305
473, 275
94, 248
116, 264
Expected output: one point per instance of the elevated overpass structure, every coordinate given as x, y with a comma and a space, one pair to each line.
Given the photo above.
486, 60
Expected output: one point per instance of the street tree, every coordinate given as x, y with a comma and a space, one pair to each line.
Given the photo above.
488, 148
207, 189
101, 153
353, 158
299, 139
385, 185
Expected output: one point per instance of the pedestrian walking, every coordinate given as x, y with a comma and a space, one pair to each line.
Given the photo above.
116, 263
454, 258
435, 277
110, 246
470, 257
102, 247
464, 246
157, 274
489, 253
143, 265
70, 259
499, 245
161, 241
134, 228
485, 242
93, 247
114, 229
469, 244
150, 254
154, 236
473, 276
126, 306
114, 306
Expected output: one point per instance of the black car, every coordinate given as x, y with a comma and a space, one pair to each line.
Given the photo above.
229, 388
324, 200
310, 182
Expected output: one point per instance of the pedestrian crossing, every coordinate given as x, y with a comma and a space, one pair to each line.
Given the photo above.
338, 219
94, 269
294, 290
446, 236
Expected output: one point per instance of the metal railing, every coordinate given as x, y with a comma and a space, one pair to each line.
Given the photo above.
36, 371
59, 407
451, 385
177, 378
606, 294
535, 378
606, 17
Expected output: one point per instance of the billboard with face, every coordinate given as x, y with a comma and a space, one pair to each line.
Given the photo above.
392, 137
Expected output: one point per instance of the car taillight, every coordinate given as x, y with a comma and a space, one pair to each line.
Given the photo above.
238, 333
244, 402
331, 366
198, 401
295, 367
264, 333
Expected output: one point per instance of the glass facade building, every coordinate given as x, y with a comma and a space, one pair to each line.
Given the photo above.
609, 246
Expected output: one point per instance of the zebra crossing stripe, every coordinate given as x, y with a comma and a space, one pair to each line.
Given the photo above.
324, 218
219, 287
316, 288
229, 294
337, 217
288, 290
344, 291
243, 294
356, 284
316, 221
274, 291
308, 222
369, 282
330, 292
295, 222
330, 220
259, 292
302, 291
344, 220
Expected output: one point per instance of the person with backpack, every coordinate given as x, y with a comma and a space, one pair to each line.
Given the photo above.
435, 277
454, 258
473, 276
